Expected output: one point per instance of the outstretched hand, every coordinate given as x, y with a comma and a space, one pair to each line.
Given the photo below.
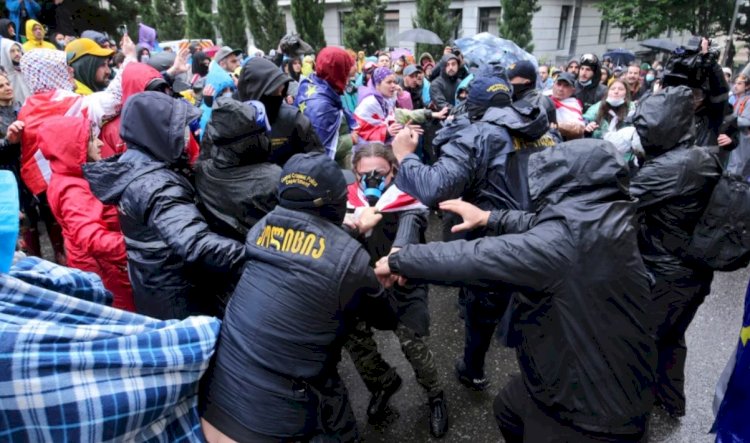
472, 216
128, 47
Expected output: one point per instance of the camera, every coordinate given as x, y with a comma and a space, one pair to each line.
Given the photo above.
688, 67
122, 29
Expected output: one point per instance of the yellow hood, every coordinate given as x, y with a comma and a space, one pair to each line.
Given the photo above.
31, 42
29, 34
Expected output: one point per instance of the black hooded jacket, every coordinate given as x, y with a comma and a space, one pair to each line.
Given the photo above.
4, 23
586, 353
484, 162
592, 93
236, 183
443, 88
291, 132
169, 244
673, 186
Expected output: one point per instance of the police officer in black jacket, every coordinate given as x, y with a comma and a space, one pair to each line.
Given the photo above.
305, 284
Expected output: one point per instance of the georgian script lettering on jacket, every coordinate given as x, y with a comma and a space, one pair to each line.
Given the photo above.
292, 241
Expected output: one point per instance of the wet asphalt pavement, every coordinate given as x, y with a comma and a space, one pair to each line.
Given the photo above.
711, 338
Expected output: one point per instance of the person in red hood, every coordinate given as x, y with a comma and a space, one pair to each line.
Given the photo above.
319, 95
137, 77
91, 230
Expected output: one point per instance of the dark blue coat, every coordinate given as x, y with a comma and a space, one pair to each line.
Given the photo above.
480, 163
305, 283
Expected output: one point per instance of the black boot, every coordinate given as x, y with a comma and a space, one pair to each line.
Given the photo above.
379, 400
477, 384
438, 415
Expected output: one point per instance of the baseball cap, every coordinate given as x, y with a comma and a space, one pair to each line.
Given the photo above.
566, 77
225, 52
85, 46
524, 69
310, 181
412, 69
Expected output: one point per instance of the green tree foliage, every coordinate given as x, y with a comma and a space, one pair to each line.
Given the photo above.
88, 14
516, 19
168, 22
231, 22
650, 18
364, 26
199, 19
267, 24
308, 19
434, 15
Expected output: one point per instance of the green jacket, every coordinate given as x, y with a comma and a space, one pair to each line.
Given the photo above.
590, 116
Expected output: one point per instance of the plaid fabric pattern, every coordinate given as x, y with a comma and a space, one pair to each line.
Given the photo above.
72, 369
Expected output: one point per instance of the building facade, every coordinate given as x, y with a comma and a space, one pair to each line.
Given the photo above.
561, 28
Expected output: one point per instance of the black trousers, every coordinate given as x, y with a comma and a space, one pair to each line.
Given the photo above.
520, 419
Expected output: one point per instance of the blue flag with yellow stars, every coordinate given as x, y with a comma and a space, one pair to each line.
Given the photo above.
322, 106
732, 400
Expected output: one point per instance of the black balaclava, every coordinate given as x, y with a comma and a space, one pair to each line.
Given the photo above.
520, 89
198, 64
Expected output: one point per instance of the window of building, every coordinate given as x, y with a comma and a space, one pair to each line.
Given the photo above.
562, 32
603, 31
391, 29
488, 18
342, 16
458, 18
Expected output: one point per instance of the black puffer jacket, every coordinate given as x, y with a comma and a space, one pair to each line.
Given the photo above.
586, 353
484, 162
236, 184
590, 94
291, 132
443, 88
169, 244
674, 184
305, 285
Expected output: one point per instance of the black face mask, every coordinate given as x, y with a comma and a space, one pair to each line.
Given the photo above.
520, 90
272, 104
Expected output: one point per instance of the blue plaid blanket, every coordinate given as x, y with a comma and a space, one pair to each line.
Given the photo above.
74, 369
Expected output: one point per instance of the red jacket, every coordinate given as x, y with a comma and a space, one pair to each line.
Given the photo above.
93, 240
135, 79
36, 110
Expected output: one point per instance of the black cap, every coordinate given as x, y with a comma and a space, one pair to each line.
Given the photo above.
524, 69
310, 181
566, 77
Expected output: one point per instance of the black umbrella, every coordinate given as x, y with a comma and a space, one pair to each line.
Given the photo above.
660, 44
419, 35
620, 57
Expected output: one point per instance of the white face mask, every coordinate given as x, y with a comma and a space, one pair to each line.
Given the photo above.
144, 58
615, 102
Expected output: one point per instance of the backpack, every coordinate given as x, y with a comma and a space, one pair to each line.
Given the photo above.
721, 239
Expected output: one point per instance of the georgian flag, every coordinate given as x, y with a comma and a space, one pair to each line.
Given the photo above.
392, 200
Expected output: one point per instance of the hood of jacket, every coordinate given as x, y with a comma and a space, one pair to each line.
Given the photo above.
665, 120
20, 88
219, 79
521, 118
30, 34
154, 123
235, 134
85, 71
444, 61
4, 23
147, 36
109, 178
64, 142
45, 70
588, 168
260, 77
333, 65
135, 78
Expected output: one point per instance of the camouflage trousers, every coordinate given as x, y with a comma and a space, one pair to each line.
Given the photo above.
376, 372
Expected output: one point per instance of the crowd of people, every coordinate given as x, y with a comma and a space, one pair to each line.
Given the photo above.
289, 194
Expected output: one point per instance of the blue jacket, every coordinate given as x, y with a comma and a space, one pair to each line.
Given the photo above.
483, 162
322, 105
14, 12
283, 342
220, 80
